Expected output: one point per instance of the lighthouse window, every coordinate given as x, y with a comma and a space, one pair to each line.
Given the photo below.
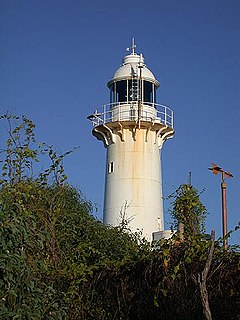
112, 93
148, 91
121, 91
110, 167
154, 94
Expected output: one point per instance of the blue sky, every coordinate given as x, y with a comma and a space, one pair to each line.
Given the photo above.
57, 56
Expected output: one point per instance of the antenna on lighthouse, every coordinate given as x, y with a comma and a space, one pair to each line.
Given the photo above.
133, 47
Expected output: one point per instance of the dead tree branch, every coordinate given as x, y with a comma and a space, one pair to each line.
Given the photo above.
202, 280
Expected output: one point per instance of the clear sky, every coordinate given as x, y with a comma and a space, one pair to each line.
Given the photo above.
55, 60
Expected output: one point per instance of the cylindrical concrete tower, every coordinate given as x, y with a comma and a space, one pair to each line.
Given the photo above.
133, 128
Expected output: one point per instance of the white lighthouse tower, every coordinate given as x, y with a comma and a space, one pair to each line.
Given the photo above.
133, 128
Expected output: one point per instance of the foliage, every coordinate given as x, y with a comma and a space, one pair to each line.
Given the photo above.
58, 262
48, 236
162, 286
188, 210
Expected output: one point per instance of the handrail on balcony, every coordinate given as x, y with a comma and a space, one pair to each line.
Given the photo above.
132, 111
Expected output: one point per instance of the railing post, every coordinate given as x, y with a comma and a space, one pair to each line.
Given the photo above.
104, 114
119, 110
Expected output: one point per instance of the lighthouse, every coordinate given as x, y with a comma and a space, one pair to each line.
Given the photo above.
133, 128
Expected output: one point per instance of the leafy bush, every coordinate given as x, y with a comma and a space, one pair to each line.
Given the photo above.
58, 262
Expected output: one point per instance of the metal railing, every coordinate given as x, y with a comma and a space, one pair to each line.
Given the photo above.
132, 111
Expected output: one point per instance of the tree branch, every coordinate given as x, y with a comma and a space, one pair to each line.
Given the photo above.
202, 280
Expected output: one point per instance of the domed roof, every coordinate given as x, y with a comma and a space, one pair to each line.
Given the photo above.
133, 65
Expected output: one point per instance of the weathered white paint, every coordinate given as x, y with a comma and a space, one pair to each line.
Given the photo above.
135, 185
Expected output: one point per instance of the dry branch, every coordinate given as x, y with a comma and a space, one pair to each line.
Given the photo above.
202, 280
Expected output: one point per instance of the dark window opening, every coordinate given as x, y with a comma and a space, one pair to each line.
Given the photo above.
148, 95
121, 91
112, 93
132, 90
110, 167
154, 94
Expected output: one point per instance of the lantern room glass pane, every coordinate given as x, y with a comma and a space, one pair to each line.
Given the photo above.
154, 94
112, 94
129, 90
148, 91
121, 91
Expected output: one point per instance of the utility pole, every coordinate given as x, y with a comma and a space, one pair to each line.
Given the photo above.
215, 170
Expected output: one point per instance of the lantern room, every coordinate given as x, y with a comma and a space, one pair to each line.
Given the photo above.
132, 99
133, 81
